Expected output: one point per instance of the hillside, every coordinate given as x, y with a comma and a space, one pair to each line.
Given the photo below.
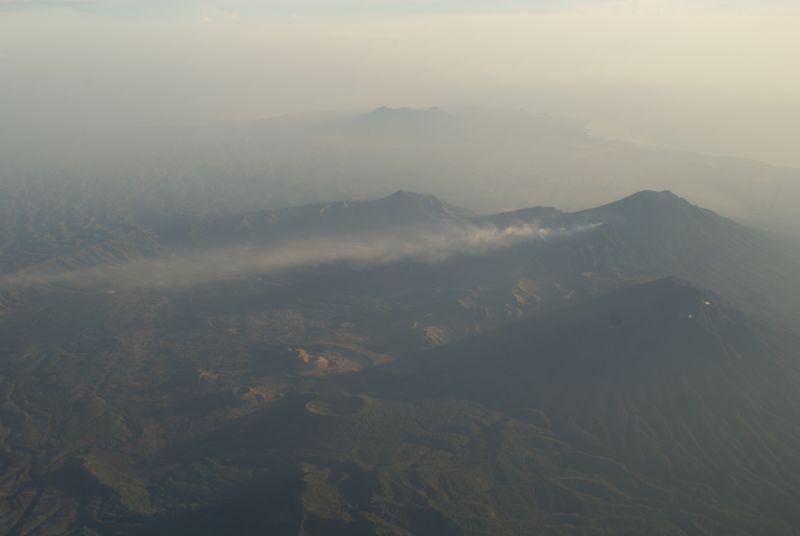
413, 367
655, 409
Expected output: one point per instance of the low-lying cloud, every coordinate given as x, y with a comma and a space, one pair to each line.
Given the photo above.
425, 245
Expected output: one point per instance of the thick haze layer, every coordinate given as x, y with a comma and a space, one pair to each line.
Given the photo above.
432, 244
712, 76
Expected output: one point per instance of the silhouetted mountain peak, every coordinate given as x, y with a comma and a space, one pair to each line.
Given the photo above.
664, 326
522, 216
664, 209
653, 200
404, 196
412, 203
665, 297
655, 195
661, 306
402, 119
412, 199
385, 113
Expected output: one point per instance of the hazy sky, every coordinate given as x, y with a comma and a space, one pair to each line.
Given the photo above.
714, 76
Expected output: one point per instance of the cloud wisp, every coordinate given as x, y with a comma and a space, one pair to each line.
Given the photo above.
425, 245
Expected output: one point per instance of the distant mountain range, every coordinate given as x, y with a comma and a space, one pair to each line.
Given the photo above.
484, 159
